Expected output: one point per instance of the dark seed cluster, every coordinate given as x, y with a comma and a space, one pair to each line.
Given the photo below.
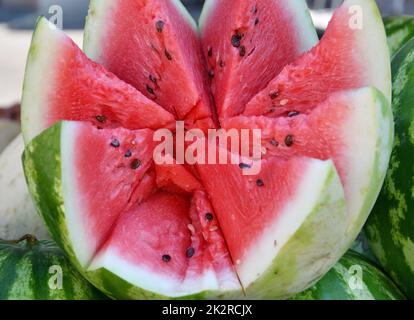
242, 51
115, 143
190, 252
236, 40
209, 216
244, 166
135, 164
100, 118
166, 258
292, 114
210, 51
168, 54
274, 143
150, 90
274, 94
289, 140
159, 25
259, 183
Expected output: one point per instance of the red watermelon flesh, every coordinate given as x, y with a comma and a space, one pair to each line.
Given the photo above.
155, 48
81, 89
111, 161
247, 43
348, 56
174, 256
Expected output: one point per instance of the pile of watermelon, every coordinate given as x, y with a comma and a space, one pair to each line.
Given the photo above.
139, 229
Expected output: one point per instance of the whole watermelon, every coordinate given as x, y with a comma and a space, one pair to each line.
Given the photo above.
38, 270
390, 229
400, 29
353, 278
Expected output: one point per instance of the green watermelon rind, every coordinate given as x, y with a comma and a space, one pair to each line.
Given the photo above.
42, 163
336, 284
25, 274
399, 29
390, 226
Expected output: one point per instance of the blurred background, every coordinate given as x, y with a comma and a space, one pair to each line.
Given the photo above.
17, 18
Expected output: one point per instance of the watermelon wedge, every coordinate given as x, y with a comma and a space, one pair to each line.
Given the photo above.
62, 83
361, 160
342, 60
138, 229
241, 37
169, 244
162, 55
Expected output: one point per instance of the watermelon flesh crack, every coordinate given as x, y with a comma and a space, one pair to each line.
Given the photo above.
342, 60
239, 39
81, 90
164, 62
141, 230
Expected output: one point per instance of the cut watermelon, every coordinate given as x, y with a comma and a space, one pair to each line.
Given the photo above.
342, 60
361, 159
148, 242
247, 43
139, 229
155, 48
62, 83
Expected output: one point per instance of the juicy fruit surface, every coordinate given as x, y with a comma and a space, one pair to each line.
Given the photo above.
82, 90
240, 38
331, 66
138, 229
339, 284
390, 227
25, 274
164, 62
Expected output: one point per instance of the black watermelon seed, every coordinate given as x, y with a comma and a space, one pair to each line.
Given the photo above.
235, 40
210, 51
128, 154
211, 74
244, 166
150, 90
254, 10
221, 64
153, 79
273, 95
209, 216
259, 183
274, 143
256, 22
168, 55
292, 114
135, 164
289, 140
166, 258
190, 252
101, 118
115, 143
242, 51
160, 25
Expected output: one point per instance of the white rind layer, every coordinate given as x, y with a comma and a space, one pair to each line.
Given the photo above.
39, 77
371, 43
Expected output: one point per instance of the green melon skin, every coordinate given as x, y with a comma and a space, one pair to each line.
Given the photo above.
353, 278
390, 228
38, 270
400, 30
300, 263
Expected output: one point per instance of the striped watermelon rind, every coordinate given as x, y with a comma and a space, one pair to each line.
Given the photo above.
399, 29
29, 270
390, 226
290, 272
353, 278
